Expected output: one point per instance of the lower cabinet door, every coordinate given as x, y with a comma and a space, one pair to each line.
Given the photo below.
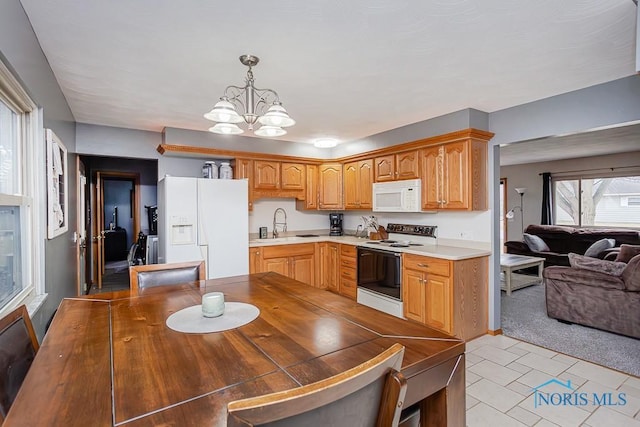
277, 265
413, 295
303, 269
438, 300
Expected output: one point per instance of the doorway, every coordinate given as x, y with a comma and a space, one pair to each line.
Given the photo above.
116, 227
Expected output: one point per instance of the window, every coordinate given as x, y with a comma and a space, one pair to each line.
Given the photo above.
21, 206
608, 201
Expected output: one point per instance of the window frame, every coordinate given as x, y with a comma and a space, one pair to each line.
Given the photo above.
585, 175
31, 198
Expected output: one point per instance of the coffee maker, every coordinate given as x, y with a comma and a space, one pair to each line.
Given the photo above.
335, 224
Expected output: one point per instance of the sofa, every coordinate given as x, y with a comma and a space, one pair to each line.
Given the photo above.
561, 240
596, 293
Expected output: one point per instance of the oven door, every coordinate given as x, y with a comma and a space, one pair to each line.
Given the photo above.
380, 271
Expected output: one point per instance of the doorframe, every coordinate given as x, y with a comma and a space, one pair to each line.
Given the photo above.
81, 221
97, 215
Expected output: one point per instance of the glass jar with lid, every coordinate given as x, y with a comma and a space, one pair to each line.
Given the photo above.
226, 172
213, 168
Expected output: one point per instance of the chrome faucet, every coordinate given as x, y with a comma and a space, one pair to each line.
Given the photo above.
276, 224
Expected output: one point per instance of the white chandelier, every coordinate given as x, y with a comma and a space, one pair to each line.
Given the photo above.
259, 105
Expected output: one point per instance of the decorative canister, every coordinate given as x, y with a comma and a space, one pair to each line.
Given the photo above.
214, 169
226, 172
206, 170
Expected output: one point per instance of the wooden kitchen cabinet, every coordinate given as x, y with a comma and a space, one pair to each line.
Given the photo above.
447, 295
348, 271
255, 261
358, 184
311, 189
330, 266
266, 175
394, 167
295, 261
330, 186
454, 176
293, 176
244, 170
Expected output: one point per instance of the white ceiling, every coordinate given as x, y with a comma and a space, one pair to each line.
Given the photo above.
345, 69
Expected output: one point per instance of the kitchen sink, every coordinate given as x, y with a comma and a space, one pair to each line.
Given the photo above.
307, 235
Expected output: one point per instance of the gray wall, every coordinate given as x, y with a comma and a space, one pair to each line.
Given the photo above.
608, 104
447, 123
21, 51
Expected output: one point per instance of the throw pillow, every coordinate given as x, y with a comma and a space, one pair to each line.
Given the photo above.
611, 268
535, 243
599, 246
627, 252
631, 274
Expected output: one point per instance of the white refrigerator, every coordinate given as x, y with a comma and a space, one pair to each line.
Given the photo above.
204, 219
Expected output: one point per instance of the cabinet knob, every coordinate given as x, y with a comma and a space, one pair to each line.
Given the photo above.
423, 265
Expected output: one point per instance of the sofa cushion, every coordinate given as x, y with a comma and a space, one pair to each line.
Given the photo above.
599, 246
576, 277
594, 264
535, 243
627, 252
631, 274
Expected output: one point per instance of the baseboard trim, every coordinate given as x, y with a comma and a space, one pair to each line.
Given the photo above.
496, 332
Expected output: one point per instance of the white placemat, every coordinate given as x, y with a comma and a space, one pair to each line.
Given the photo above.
191, 321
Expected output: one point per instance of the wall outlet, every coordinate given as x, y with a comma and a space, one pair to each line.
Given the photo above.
466, 235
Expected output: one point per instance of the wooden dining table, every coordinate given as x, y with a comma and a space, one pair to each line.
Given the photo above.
110, 359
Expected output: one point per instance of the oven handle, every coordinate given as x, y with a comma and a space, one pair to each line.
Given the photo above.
369, 251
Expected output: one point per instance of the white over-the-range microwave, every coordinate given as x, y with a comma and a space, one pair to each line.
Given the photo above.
397, 196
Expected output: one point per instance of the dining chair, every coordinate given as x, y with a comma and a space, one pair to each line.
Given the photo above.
18, 348
370, 394
146, 276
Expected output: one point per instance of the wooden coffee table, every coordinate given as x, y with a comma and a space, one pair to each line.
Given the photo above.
512, 281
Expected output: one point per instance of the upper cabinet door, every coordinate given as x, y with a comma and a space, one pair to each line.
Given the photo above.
351, 196
456, 177
407, 165
365, 183
330, 186
431, 161
266, 175
311, 190
293, 176
385, 168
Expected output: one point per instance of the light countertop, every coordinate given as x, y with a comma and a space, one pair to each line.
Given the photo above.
449, 252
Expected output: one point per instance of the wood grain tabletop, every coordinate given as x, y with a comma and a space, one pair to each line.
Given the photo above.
110, 359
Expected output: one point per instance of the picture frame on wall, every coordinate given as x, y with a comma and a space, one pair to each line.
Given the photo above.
57, 186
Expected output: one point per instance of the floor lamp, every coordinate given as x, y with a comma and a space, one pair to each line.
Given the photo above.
511, 213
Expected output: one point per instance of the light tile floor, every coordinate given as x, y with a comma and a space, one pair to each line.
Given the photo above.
502, 372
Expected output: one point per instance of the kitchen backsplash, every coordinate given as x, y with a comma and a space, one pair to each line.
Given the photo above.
471, 226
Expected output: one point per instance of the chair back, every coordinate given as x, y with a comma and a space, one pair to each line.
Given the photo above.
18, 348
145, 276
371, 394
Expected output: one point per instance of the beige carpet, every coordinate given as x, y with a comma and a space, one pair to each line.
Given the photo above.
524, 316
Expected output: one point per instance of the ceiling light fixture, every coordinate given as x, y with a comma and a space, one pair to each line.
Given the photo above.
257, 106
325, 143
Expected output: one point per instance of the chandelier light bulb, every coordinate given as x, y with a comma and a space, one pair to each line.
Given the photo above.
223, 112
270, 131
276, 115
226, 129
